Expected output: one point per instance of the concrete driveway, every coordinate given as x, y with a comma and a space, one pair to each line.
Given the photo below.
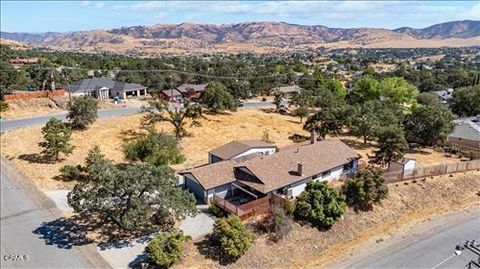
123, 254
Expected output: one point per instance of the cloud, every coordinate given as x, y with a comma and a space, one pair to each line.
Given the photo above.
84, 3
99, 4
161, 15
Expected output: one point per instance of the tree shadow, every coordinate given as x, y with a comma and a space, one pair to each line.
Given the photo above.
140, 262
210, 249
131, 134
357, 145
298, 138
35, 158
64, 233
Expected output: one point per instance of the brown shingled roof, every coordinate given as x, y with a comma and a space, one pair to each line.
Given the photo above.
219, 173
234, 148
277, 170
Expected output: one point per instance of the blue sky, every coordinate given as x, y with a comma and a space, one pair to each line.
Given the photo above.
63, 16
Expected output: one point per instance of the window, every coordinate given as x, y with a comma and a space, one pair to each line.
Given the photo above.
348, 166
315, 177
326, 173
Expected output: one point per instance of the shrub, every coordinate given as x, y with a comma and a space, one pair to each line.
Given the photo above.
217, 211
70, 172
3, 106
282, 224
232, 237
166, 248
320, 204
289, 207
154, 148
367, 187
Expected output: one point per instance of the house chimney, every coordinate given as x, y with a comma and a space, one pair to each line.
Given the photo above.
313, 137
300, 168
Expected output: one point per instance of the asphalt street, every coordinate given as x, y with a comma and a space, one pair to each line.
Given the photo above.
21, 215
434, 251
6, 125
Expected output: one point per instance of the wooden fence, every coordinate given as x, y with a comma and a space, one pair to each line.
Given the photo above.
433, 170
34, 94
253, 208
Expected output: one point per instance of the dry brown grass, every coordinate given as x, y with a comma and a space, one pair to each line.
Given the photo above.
215, 131
110, 133
424, 157
45, 106
407, 204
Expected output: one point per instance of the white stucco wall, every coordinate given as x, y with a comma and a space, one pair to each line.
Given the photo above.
299, 187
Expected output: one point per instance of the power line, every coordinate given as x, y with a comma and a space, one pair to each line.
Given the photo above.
166, 71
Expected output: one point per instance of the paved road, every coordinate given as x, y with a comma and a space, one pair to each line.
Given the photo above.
23, 210
6, 125
433, 250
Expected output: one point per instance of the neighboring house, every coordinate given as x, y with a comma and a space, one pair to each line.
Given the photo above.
288, 90
104, 88
19, 62
444, 95
172, 95
466, 133
239, 182
192, 91
236, 149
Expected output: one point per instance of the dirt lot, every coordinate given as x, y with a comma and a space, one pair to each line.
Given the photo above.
45, 106
21, 146
408, 204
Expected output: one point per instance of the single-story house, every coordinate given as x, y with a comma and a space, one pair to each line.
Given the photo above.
191, 91
466, 133
242, 180
104, 88
237, 149
171, 95
289, 90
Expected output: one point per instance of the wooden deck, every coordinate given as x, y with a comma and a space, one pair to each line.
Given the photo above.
244, 211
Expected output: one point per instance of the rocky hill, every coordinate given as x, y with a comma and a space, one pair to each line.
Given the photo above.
249, 35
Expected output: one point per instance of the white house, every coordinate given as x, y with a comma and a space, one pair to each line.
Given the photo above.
104, 88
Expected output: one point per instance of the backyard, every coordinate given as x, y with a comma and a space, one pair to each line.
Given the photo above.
21, 146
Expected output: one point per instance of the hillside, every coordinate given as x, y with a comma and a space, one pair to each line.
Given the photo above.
252, 36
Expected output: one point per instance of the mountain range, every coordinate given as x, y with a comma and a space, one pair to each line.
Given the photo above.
251, 36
